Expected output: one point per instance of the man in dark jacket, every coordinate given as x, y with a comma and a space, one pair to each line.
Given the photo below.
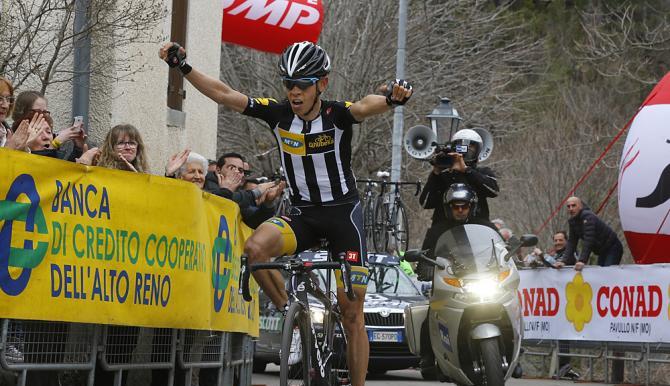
480, 179
597, 236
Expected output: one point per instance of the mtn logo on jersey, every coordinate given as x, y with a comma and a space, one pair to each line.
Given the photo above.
307, 144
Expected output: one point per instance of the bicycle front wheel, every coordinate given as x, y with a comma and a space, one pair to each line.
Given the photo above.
400, 228
295, 365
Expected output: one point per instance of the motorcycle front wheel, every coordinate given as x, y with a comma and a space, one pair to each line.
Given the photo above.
492, 362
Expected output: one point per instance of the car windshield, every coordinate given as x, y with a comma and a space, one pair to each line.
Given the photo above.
471, 248
390, 280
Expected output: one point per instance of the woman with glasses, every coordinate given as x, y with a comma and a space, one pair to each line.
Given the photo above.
124, 149
29, 103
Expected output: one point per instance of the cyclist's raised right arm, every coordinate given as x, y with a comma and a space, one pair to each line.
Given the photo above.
213, 88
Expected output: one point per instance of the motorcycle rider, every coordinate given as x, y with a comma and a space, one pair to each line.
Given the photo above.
450, 168
459, 207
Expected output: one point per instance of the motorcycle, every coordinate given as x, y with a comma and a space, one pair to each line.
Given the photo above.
473, 315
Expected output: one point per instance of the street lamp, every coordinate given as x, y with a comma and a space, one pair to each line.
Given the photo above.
444, 120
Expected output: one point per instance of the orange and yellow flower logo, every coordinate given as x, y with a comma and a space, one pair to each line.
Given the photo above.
578, 311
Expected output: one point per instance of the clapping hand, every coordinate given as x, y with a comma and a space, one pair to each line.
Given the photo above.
19, 140
176, 161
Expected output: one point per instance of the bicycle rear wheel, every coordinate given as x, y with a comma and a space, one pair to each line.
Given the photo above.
295, 365
369, 219
400, 228
380, 232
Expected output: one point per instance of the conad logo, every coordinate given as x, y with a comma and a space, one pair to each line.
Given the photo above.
578, 309
30, 256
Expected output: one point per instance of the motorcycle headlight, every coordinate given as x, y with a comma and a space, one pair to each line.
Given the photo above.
483, 287
317, 315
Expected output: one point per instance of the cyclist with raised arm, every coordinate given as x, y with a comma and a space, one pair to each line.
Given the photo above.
314, 137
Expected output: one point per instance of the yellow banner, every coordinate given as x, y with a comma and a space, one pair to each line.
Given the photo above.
94, 245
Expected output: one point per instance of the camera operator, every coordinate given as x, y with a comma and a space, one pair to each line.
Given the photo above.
456, 163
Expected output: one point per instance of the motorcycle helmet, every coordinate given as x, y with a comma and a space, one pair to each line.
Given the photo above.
304, 60
459, 193
468, 143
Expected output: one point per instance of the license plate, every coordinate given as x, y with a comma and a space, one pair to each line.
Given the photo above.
385, 336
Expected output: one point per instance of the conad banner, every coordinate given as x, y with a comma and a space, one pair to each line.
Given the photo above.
94, 245
271, 25
626, 303
644, 179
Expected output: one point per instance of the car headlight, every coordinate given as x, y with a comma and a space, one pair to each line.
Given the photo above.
317, 315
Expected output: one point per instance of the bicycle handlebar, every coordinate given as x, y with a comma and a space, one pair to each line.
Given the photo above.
295, 264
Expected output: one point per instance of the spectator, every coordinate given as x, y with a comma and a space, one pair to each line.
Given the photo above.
231, 178
188, 166
597, 236
29, 100
42, 141
29, 103
6, 107
499, 223
506, 234
123, 149
557, 257
226, 173
461, 168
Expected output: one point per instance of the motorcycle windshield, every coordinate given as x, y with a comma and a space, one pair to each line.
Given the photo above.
471, 249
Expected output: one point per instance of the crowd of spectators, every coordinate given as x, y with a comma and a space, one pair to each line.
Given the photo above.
32, 130
230, 176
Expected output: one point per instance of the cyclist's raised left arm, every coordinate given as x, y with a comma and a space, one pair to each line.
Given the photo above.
396, 93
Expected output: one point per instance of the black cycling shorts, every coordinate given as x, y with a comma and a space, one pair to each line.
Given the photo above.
341, 225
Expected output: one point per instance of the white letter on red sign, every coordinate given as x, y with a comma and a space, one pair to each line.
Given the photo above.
294, 14
260, 8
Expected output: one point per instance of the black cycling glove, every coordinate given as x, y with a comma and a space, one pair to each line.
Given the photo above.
177, 59
389, 91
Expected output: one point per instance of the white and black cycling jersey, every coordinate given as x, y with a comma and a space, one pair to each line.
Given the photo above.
316, 155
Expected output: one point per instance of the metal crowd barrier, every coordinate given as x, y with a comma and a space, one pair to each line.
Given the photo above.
42, 349
639, 354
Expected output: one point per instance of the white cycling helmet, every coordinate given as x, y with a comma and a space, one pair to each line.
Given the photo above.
470, 140
303, 60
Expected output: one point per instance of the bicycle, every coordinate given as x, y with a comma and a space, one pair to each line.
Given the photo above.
369, 200
316, 358
391, 218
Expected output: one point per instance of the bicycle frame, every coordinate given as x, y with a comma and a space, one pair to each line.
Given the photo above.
299, 286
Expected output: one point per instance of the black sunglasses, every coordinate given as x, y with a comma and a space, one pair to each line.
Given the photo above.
301, 83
